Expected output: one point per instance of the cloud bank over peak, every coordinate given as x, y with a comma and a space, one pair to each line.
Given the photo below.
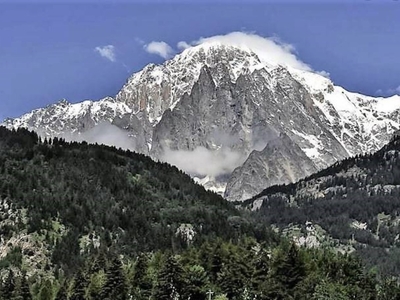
159, 48
269, 49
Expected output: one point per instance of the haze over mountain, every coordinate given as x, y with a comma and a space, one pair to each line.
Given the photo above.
225, 104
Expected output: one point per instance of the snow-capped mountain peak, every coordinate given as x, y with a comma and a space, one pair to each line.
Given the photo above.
234, 99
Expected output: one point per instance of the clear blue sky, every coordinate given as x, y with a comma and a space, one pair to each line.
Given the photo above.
47, 50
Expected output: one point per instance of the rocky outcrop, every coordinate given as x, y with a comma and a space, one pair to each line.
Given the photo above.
281, 161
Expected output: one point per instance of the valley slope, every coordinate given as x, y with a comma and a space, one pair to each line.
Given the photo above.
352, 205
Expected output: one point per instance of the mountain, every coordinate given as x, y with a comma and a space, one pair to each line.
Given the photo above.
213, 109
353, 205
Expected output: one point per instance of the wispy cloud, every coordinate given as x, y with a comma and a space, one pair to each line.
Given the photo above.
183, 45
107, 52
139, 41
388, 92
159, 48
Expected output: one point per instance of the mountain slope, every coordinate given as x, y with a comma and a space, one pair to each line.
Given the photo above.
85, 221
281, 161
61, 202
354, 203
215, 100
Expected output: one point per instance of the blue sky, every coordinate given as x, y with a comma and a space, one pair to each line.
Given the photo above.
47, 50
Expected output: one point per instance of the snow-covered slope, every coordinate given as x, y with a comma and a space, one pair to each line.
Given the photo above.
232, 108
63, 116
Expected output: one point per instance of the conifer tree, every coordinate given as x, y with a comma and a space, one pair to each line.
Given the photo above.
141, 284
62, 292
24, 290
78, 291
115, 287
289, 268
8, 287
170, 280
197, 281
46, 290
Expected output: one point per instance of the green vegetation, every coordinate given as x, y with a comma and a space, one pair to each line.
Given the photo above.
242, 270
356, 201
85, 222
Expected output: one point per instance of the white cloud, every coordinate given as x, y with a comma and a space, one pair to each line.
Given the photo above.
183, 45
202, 161
388, 92
107, 52
159, 48
324, 73
104, 133
269, 50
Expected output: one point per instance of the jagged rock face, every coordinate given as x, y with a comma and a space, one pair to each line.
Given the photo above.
158, 87
224, 100
243, 116
281, 161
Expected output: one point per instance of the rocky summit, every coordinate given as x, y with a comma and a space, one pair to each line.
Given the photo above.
234, 121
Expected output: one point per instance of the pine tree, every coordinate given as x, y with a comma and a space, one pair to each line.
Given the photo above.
170, 280
46, 291
197, 281
8, 287
141, 283
261, 273
62, 292
216, 262
289, 268
80, 283
115, 287
140, 270
25, 291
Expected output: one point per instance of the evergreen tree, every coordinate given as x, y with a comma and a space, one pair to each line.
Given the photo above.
141, 282
95, 286
115, 287
46, 290
289, 267
24, 290
8, 287
79, 288
170, 282
62, 293
261, 273
216, 261
197, 281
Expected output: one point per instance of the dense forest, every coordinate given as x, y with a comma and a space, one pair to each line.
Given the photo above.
356, 201
80, 221
213, 270
81, 198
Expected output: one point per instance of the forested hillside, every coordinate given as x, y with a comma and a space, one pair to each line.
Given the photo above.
83, 221
81, 198
355, 202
